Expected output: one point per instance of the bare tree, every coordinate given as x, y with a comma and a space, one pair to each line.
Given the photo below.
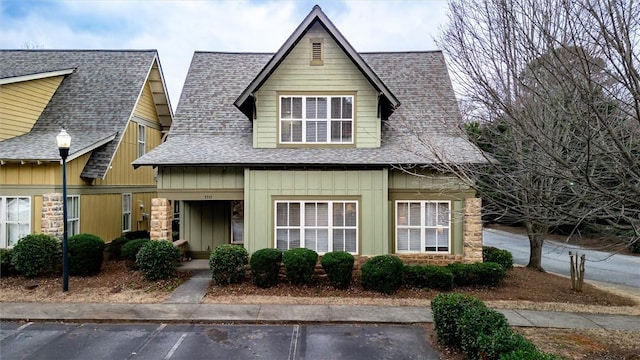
556, 90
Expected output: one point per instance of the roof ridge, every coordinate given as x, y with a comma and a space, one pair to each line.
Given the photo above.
80, 50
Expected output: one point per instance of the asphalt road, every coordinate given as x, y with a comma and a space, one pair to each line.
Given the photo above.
198, 341
599, 266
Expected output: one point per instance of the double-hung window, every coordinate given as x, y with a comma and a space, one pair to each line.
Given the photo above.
423, 226
316, 119
126, 212
73, 215
142, 139
322, 226
15, 219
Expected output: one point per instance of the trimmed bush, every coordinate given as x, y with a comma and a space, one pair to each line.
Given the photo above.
5, 262
502, 257
86, 252
265, 266
477, 274
338, 265
446, 309
427, 276
138, 234
382, 273
529, 355
130, 250
299, 265
35, 255
475, 321
227, 264
158, 259
114, 248
502, 341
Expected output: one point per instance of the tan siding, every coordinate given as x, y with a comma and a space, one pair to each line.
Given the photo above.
146, 108
30, 174
101, 215
338, 74
22, 103
36, 212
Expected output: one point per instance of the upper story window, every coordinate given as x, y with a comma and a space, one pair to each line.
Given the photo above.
142, 139
316, 119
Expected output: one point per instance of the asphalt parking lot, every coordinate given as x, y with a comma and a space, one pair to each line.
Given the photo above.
212, 341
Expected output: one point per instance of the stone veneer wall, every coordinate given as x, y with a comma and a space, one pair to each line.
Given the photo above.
161, 217
472, 230
52, 215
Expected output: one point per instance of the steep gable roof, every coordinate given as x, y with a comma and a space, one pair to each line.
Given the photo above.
244, 102
94, 103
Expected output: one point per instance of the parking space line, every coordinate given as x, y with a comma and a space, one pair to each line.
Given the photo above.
294, 342
175, 346
147, 341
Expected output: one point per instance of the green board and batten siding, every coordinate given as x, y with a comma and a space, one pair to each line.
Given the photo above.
368, 187
201, 183
338, 75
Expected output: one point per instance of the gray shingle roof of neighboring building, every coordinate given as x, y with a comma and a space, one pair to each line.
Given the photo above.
209, 130
94, 103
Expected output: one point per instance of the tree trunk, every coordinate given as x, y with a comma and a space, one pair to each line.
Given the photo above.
536, 234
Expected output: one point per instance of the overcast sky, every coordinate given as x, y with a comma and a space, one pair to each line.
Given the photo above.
178, 28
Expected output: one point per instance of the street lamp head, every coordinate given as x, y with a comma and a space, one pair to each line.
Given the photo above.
63, 140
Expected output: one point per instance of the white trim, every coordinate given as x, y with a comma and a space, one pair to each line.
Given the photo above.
423, 227
304, 121
141, 133
125, 212
15, 79
70, 218
4, 221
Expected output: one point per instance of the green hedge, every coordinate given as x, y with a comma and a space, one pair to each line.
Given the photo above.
114, 248
427, 276
227, 264
477, 274
299, 265
86, 253
502, 341
495, 255
265, 266
446, 310
382, 273
474, 322
338, 265
158, 259
36, 255
130, 250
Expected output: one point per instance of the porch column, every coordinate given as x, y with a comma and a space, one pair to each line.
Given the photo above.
52, 217
161, 217
472, 230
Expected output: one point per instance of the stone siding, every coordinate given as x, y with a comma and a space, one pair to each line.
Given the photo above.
52, 215
161, 217
472, 233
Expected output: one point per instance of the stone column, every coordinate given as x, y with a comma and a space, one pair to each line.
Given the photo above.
472, 230
52, 215
161, 217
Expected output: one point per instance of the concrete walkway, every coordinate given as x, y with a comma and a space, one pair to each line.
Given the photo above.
184, 306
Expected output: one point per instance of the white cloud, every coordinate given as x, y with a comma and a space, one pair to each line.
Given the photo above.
178, 28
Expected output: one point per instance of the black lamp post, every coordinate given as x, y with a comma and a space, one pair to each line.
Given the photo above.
64, 142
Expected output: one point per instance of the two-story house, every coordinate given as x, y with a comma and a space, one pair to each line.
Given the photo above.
310, 146
114, 105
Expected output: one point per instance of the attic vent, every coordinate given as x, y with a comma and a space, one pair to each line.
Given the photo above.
317, 55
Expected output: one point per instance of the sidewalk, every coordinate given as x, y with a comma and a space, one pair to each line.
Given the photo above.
184, 306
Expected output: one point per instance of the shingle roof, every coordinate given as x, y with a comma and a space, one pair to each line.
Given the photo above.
93, 103
209, 129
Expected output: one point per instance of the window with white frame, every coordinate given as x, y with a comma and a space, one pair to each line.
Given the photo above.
15, 219
126, 212
322, 226
142, 139
316, 119
423, 226
73, 215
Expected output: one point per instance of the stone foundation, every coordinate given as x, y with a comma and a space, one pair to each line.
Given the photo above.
161, 217
52, 215
472, 230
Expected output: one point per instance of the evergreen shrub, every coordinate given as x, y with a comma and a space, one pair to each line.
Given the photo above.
299, 265
446, 310
382, 273
86, 253
130, 250
158, 259
502, 257
338, 265
428, 276
265, 267
36, 255
227, 264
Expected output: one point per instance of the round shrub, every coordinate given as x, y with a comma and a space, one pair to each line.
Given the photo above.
474, 322
130, 250
338, 265
86, 252
482, 274
158, 260
227, 264
5, 262
502, 341
427, 276
299, 265
502, 257
382, 273
265, 267
446, 309
35, 255
114, 248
